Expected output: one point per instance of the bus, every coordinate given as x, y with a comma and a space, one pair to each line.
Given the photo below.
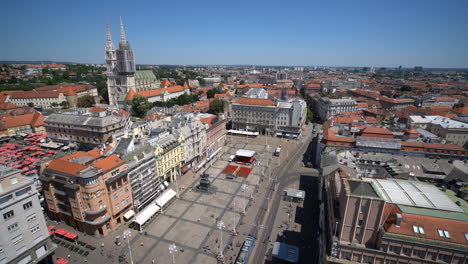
245, 251
277, 152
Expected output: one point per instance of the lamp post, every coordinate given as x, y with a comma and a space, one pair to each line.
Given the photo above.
221, 226
244, 188
172, 251
127, 235
234, 212
177, 184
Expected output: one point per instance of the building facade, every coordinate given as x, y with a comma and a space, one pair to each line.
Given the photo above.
88, 191
92, 127
269, 117
142, 172
215, 134
327, 107
170, 154
25, 237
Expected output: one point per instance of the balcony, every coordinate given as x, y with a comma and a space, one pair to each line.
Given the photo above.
59, 192
98, 222
99, 211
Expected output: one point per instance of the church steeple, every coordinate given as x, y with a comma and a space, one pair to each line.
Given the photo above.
109, 44
122, 32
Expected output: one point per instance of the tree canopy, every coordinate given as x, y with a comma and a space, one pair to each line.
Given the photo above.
217, 106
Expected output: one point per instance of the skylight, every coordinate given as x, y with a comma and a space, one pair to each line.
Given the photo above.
418, 229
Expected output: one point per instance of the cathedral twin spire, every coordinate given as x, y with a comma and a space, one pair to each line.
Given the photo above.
123, 39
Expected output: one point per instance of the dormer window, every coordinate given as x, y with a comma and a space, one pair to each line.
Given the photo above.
443, 233
418, 229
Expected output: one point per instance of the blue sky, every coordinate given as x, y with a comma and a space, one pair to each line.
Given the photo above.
430, 33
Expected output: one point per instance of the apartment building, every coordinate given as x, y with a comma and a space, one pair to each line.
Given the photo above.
392, 221
169, 152
268, 117
89, 191
25, 237
90, 127
142, 172
195, 135
327, 107
215, 134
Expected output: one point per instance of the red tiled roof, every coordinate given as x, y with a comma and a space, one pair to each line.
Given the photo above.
108, 163
157, 92
255, 101
431, 225
6, 106
34, 119
130, 95
445, 99
35, 94
330, 136
97, 109
166, 83
376, 130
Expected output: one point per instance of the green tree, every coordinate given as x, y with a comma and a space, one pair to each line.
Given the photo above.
405, 88
242, 82
64, 104
31, 104
211, 93
54, 104
140, 106
86, 101
310, 115
217, 106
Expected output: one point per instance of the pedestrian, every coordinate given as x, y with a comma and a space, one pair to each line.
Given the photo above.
69, 256
152, 261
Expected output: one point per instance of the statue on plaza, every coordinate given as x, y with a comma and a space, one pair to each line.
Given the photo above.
205, 185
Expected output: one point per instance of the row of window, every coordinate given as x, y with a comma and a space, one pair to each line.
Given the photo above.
11, 213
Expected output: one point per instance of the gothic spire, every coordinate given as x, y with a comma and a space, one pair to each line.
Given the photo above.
122, 32
109, 44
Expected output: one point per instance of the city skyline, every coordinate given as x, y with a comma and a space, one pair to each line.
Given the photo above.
208, 33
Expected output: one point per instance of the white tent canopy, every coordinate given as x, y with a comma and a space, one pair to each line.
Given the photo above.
245, 153
146, 214
165, 197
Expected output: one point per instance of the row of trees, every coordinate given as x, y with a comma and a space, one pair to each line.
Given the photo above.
141, 106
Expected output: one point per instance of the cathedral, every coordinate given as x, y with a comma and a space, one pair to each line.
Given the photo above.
122, 76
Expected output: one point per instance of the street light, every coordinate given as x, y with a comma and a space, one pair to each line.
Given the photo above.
221, 226
172, 251
234, 212
127, 235
244, 188
177, 185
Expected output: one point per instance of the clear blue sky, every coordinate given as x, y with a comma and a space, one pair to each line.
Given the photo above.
431, 33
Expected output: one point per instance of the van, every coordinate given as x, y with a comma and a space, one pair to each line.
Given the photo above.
277, 152
231, 158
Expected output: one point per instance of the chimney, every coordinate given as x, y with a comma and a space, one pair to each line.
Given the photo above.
399, 217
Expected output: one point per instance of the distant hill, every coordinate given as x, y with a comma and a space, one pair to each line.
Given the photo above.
37, 62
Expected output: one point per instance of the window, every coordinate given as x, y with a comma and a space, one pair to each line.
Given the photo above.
23, 192
117, 206
27, 205
394, 249
121, 192
31, 218
406, 251
418, 229
122, 203
98, 193
443, 233
360, 222
418, 253
367, 259
13, 180
8, 215
13, 227
34, 229
115, 197
17, 240
390, 261
126, 189
466, 236
443, 257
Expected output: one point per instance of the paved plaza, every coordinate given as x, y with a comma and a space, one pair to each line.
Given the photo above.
190, 222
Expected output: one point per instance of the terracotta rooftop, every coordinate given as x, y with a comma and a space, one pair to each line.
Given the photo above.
376, 130
254, 101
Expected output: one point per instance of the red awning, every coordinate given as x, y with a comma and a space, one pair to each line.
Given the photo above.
70, 235
51, 232
61, 260
51, 227
61, 231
